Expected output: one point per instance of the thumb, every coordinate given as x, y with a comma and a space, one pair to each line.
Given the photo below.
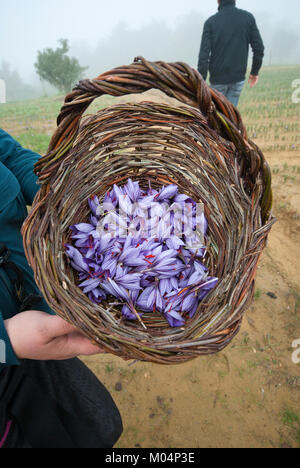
56, 326
77, 344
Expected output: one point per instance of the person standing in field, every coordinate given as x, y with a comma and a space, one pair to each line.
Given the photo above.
225, 48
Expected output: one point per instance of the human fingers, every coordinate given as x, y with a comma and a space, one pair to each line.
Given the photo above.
73, 345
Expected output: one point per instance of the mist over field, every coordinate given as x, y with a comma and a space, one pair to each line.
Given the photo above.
104, 36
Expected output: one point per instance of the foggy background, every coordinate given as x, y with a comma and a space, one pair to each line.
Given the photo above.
103, 35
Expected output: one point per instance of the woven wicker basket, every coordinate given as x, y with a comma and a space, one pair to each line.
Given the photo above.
203, 148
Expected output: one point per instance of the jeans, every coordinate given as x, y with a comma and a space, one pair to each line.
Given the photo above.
231, 91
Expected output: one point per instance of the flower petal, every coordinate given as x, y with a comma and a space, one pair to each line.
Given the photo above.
84, 227
174, 318
167, 193
77, 258
90, 284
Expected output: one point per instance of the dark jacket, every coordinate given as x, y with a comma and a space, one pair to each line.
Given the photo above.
18, 186
225, 45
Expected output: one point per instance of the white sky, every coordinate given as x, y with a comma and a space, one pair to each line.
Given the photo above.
27, 26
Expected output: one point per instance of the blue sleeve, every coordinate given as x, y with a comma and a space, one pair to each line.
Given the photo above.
20, 162
205, 51
257, 46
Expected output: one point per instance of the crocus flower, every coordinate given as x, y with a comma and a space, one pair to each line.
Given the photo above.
151, 299
189, 302
174, 318
127, 313
84, 227
196, 277
77, 260
125, 205
174, 243
132, 189
97, 296
111, 287
110, 264
130, 281
165, 286
167, 193
90, 284
94, 205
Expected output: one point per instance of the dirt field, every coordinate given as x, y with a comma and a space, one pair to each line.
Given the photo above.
247, 395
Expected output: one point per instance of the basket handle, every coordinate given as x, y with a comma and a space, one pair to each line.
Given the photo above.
177, 80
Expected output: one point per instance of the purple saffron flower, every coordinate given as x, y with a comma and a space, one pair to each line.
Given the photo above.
130, 281
209, 284
127, 313
174, 318
81, 243
94, 220
206, 288
90, 284
133, 190
165, 286
112, 224
84, 227
111, 287
125, 205
110, 202
174, 300
174, 243
94, 205
97, 296
181, 198
164, 263
110, 264
147, 280
189, 302
196, 277
116, 194
175, 283
167, 193
105, 243
77, 260
151, 299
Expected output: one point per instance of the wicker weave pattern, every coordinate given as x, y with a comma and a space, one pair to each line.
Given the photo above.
204, 150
